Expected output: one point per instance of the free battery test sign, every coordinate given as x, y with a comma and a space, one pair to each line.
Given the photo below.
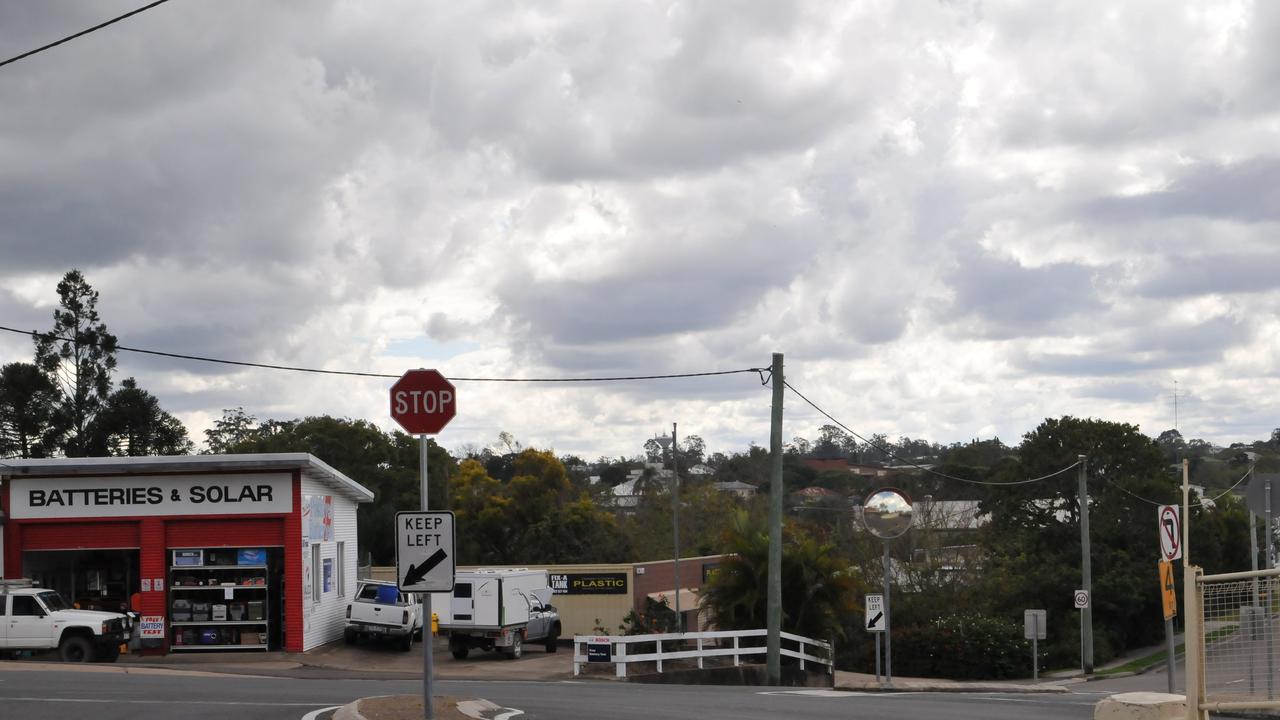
424, 551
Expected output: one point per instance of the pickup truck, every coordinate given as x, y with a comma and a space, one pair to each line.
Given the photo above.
35, 618
499, 609
380, 610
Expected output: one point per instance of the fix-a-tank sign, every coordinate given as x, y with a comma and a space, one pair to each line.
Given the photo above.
241, 494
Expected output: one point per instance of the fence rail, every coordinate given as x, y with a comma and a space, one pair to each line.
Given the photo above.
1239, 641
706, 645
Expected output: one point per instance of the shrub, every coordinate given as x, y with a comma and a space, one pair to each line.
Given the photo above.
962, 647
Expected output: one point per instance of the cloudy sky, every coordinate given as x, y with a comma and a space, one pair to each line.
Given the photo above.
954, 218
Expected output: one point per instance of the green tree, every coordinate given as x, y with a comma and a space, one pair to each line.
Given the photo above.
79, 356
385, 463
540, 516
818, 586
26, 411
234, 428
132, 423
1033, 539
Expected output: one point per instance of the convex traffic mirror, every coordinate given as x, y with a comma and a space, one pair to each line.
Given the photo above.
887, 513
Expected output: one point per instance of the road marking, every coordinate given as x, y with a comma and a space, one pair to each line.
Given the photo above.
508, 715
820, 693
315, 714
117, 701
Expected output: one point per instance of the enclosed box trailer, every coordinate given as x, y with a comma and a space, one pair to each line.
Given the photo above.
499, 608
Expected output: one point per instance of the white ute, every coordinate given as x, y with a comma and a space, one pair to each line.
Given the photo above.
380, 610
36, 618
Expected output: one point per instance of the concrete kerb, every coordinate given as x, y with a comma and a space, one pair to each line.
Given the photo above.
479, 709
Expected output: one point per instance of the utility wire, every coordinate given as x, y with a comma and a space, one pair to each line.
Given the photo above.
242, 363
909, 463
1202, 502
69, 38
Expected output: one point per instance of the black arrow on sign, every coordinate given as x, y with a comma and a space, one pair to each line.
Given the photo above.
873, 621
418, 572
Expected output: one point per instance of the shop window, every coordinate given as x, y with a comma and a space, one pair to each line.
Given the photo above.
315, 573
342, 569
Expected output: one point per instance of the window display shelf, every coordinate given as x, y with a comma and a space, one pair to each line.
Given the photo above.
219, 587
217, 647
198, 623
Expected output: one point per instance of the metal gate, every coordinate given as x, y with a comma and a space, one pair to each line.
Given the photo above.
1233, 645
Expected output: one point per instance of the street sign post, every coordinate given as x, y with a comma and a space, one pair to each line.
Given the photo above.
1034, 624
875, 613
424, 552
423, 402
1170, 601
886, 514
1170, 529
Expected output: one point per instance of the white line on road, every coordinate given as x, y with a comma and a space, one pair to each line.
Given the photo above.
117, 701
819, 693
508, 715
316, 713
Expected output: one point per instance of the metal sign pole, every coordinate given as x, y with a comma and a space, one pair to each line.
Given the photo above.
1266, 609
1168, 634
427, 638
888, 639
1035, 648
877, 658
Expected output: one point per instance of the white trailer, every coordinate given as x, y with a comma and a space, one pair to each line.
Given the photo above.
498, 608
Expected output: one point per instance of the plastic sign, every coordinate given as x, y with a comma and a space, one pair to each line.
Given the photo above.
424, 551
875, 613
1080, 599
1168, 596
1170, 532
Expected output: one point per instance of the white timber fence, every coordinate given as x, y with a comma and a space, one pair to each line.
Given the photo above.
591, 649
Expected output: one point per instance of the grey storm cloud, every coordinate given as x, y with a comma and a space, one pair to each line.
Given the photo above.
1246, 192
1011, 299
583, 188
1213, 273
1150, 346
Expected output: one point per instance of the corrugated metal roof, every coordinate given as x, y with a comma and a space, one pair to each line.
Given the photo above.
312, 467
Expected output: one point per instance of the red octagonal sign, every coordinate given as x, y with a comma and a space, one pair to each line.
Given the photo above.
423, 402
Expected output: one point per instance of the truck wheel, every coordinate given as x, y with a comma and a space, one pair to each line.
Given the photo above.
459, 649
406, 642
553, 637
517, 647
349, 636
75, 649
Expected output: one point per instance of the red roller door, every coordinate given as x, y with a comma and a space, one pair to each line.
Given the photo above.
80, 535
225, 533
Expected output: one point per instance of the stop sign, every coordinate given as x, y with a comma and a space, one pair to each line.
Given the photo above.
423, 402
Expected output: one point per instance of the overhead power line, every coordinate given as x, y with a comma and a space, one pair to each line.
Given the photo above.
1202, 502
69, 38
909, 463
354, 373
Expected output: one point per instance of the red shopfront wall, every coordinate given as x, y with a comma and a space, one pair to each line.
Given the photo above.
155, 535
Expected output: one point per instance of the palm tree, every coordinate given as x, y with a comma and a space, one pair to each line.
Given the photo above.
818, 588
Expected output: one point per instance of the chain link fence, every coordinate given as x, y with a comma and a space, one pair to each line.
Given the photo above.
1238, 650
1240, 640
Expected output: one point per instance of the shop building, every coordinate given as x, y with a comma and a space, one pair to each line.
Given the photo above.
595, 598
214, 552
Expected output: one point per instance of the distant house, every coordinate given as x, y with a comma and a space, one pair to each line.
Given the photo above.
701, 470
842, 465
740, 489
816, 496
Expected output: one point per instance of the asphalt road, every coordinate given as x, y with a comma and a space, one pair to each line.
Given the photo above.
63, 695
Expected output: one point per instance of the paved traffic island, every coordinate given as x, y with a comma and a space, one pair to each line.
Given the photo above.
409, 707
